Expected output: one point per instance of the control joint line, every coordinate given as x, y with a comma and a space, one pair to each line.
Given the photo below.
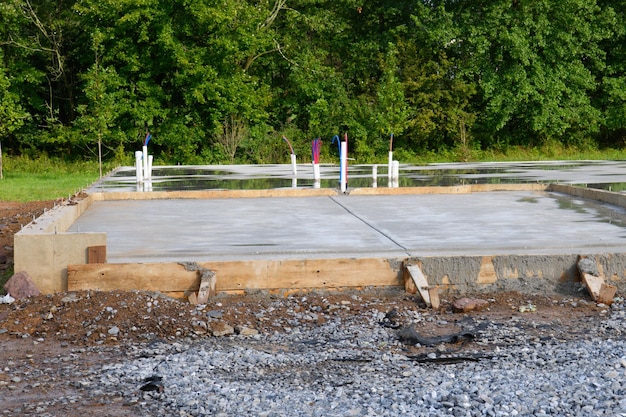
369, 225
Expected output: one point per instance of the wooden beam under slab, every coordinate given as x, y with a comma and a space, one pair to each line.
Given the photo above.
237, 275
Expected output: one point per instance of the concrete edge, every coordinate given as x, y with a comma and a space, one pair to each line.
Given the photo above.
609, 197
59, 218
312, 192
212, 194
43, 249
454, 189
529, 274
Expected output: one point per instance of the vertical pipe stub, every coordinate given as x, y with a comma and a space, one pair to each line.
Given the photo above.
343, 165
138, 167
146, 173
374, 176
316, 146
294, 166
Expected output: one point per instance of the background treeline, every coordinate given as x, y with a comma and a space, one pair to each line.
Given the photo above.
220, 81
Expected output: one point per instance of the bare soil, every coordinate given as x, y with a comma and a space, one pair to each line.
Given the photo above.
14, 215
39, 335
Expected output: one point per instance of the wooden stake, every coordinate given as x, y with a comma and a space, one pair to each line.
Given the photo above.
97, 254
420, 282
433, 293
207, 286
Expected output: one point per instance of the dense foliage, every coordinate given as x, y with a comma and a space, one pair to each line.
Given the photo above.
219, 81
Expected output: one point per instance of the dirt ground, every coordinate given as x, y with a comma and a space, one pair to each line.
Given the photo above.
14, 215
86, 324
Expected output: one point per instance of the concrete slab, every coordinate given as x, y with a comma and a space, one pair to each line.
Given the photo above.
494, 226
344, 226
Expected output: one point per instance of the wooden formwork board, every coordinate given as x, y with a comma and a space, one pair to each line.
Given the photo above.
232, 276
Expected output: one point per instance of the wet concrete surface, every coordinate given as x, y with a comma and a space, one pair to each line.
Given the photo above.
344, 226
610, 175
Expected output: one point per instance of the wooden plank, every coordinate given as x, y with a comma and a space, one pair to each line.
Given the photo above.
208, 281
420, 282
315, 273
593, 284
433, 293
607, 294
600, 291
97, 254
165, 277
237, 275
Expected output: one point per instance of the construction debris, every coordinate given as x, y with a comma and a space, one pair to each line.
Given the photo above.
433, 293
207, 286
600, 291
391, 319
410, 336
415, 281
6, 299
208, 282
528, 308
446, 360
152, 383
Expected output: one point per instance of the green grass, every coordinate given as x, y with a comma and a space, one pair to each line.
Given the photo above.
44, 178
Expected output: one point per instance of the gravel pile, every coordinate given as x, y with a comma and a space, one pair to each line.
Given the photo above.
314, 361
347, 369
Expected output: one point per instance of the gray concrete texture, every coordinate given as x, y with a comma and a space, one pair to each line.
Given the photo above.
490, 223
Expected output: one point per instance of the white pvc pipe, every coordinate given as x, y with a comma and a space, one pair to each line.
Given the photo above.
294, 167
138, 166
390, 166
395, 175
343, 167
396, 170
316, 176
374, 176
146, 174
150, 157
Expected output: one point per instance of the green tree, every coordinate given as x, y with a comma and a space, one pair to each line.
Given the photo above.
391, 110
449, 75
438, 96
611, 97
101, 86
12, 115
42, 44
533, 66
186, 66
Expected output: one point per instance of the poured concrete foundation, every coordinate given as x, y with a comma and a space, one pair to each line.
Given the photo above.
468, 238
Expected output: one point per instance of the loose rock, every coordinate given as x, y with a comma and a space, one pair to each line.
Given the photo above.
21, 286
465, 305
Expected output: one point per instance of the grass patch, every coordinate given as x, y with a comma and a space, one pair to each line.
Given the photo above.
44, 178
